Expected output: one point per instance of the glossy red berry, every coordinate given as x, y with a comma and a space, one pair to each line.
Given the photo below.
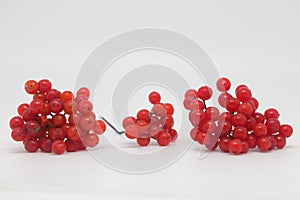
173, 133
286, 130
143, 141
240, 132
31, 87
100, 127
264, 143
273, 125
281, 141
143, 115
56, 105
204, 93
16, 122
224, 144
85, 107
31, 145
37, 106
45, 145
18, 134
84, 91
191, 93
235, 146
154, 97
44, 86
170, 108
239, 119
164, 138
271, 113
260, 130
232, 104
244, 94
91, 140
223, 84
59, 147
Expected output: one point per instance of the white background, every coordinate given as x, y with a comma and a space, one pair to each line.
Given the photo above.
256, 42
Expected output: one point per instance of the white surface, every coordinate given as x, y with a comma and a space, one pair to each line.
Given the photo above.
256, 42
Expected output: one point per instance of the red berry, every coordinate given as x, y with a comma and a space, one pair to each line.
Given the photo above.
251, 122
56, 105
245, 147
84, 91
32, 128
85, 107
58, 120
200, 137
143, 115
271, 113
45, 145
31, 145
232, 104
223, 84
72, 133
37, 106
66, 96
212, 113
31, 87
239, 119
242, 86
223, 99
59, 147
286, 130
56, 134
154, 97
246, 109
52, 94
259, 118
243, 94
240, 132
143, 141
170, 108
196, 105
260, 130
224, 144
91, 140
22, 108
204, 93
225, 127
264, 144
251, 141
191, 93
16, 122
18, 134
71, 145
235, 146
173, 133
159, 110
273, 125
87, 123
281, 141
44, 85
164, 138
128, 121
132, 131
187, 103
193, 133
100, 127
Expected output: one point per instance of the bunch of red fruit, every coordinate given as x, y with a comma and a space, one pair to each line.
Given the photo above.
238, 129
55, 121
156, 124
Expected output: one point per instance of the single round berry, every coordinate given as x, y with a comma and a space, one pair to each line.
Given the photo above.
264, 144
45, 145
239, 119
84, 91
245, 146
281, 141
204, 93
235, 146
128, 121
58, 120
87, 123
242, 86
273, 125
173, 133
52, 94
232, 104
143, 115
31, 87
259, 118
143, 141
196, 105
223, 99
100, 127
57, 134
193, 133
22, 108
286, 130
191, 93
159, 110
66, 96
91, 140
260, 130
44, 86
56, 105
212, 113
37, 106
225, 127
252, 141
132, 131
164, 138
170, 108
59, 147
16, 122
197, 117
223, 84
31, 145
85, 107
71, 145
154, 97
271, 113
18, 134
224, 144
244, 94
246, 109
200, 137
72, 133
240, 132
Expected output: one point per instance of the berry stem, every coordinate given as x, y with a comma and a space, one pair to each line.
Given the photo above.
205, 107
111, 126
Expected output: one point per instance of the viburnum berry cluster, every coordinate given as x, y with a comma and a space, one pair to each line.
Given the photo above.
156, 124
238, 129
55, 121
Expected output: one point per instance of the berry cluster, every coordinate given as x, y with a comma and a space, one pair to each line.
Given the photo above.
156, 124
238, 129
55, 121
